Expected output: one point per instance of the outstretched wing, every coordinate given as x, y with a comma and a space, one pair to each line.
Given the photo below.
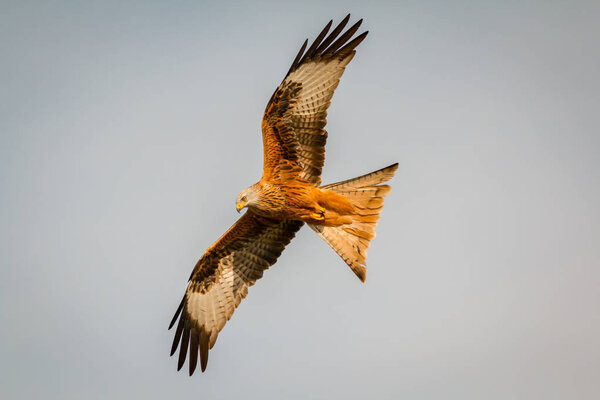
221, 279
292, 126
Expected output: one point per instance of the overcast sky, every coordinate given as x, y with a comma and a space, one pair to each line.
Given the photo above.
128, 128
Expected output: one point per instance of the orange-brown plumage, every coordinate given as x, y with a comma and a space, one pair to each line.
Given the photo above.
288, 195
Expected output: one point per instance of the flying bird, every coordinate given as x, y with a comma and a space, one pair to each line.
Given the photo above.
288, 195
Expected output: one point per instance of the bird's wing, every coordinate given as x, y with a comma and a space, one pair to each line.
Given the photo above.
292, 126
221, 279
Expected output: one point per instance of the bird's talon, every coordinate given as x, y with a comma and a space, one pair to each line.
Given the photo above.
318, 216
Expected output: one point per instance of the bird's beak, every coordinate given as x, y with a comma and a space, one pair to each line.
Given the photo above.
239, 206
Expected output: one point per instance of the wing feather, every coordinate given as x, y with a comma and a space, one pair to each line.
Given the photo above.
336, 31
344, 38
221, 279
293, 124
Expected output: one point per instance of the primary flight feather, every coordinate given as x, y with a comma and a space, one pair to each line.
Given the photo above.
288, 195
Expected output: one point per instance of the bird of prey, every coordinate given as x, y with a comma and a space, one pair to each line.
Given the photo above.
288, 195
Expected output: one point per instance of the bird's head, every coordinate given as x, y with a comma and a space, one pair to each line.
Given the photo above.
247, 198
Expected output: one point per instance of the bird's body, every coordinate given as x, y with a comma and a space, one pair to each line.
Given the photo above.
296, 199
288, 195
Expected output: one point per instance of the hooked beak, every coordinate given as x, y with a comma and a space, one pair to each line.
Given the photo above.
239, 206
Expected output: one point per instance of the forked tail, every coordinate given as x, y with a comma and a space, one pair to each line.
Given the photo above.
366, 194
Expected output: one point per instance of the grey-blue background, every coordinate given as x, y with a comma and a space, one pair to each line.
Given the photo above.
128, 128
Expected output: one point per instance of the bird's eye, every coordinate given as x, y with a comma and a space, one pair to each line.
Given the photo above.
244, 198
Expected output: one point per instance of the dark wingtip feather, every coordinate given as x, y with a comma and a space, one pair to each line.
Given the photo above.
336, 31
177, 337
295, 63
312, 50
177, 313
350, 46
331, 45
344, 38
193, 351
184, 346
204, 338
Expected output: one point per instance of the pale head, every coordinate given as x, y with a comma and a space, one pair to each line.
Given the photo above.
247, 198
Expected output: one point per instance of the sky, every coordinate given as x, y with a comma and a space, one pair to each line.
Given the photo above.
128, 128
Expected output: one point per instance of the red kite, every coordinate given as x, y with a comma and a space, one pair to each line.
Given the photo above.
288, 195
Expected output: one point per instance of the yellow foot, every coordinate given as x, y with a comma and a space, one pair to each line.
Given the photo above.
319, 215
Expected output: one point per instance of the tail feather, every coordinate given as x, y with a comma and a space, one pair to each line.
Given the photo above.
374, 178
352, 240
